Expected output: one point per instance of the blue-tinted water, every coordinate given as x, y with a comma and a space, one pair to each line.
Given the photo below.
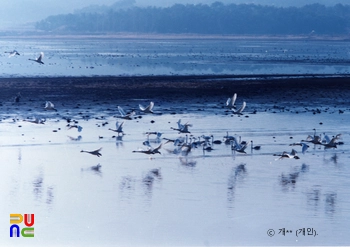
115, 57
217, 198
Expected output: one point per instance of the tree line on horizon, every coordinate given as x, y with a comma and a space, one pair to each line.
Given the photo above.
217, 18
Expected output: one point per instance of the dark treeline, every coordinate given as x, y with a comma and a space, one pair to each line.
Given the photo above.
217, 18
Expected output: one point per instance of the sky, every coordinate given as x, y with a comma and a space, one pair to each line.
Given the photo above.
18, 13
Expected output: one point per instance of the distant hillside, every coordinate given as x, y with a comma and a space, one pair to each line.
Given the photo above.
217, 18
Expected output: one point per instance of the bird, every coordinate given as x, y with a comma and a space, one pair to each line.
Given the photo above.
313, 139
150, 150
148, 109
49, 106
95, 152
39, 59
36, 120
182, 128
239, 110
303, 145
18, 97
290, 155
119, 128
331, 143
96, 167
125, 115
12, 53
238, 147
254, 147
230, 103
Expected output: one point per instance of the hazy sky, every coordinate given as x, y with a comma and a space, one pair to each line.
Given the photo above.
15, 12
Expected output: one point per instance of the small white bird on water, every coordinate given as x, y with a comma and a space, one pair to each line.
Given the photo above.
39, 59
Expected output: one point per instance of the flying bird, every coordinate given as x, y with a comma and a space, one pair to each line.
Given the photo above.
119, 128
290, 155
12, 53
124, 115
95, 152
148, 109
230, 103
239, 110
49, 106
39, 59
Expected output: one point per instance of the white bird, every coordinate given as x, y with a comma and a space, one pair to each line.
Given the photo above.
303, 145
182, 128
331, 143
36, 121
230, 103
119, 128
49, 106
150, 150
290, 155
12, 53
125, 115
238, 147
39, 59
148, 109
239, 110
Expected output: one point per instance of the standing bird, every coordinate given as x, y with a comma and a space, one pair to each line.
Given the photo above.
18, 97
38, 60
148, 109
50, 106
95, 152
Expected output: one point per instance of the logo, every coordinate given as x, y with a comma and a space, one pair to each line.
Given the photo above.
28, 231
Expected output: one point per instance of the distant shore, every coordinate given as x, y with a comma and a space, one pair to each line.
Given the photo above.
173, 36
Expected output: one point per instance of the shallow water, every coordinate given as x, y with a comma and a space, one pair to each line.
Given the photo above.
205, 198
125, 57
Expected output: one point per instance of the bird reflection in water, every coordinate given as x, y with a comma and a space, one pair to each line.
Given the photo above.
96, 169
330, 203
150, 177
238, 174
288, 181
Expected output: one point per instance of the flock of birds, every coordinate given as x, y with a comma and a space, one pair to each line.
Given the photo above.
187, 142
16, 53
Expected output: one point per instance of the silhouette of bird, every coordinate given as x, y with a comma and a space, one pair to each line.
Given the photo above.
95, 152
18, 97
39, 59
